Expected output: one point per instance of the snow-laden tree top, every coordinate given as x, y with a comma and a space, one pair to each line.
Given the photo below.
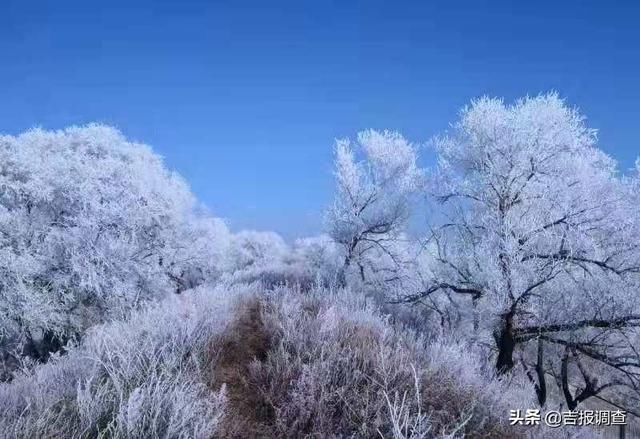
373, 195
90, 225
542, 236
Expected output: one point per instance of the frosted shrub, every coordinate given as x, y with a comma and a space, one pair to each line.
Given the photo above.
278, 363
337, 367
144, 377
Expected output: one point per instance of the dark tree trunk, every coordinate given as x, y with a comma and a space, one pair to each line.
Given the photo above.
564, 374
362, 277
342, 273
476, 321
541, 387
590, 388
539, 381
506, 345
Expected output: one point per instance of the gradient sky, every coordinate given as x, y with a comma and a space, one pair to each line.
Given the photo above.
245, 99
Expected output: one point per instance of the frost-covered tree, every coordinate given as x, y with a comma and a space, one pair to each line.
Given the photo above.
91, 225
199, 251
373, 197
251, 248
539, 250
320, 254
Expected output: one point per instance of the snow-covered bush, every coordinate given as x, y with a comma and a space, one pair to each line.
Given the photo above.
144, 377
236, 361
336, 367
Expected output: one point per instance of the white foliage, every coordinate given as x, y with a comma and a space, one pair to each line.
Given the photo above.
373, 195
539, 240
540, 235
250, 248
334, 342
144, 377
92, 225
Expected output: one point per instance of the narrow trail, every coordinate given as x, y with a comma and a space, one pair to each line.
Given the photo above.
244, 341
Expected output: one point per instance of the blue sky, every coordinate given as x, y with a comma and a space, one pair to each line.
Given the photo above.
245, 98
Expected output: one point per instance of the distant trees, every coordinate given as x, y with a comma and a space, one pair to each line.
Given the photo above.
250, 248
539, 247
320, 255
265, 257
373, 198
91, 225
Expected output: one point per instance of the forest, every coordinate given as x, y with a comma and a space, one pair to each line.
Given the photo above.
435, 301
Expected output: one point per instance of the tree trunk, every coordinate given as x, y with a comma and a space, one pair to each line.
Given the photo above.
506, 345
541, 387
564, 374
476, 319
342, 273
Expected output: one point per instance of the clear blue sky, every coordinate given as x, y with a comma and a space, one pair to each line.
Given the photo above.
245, 98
